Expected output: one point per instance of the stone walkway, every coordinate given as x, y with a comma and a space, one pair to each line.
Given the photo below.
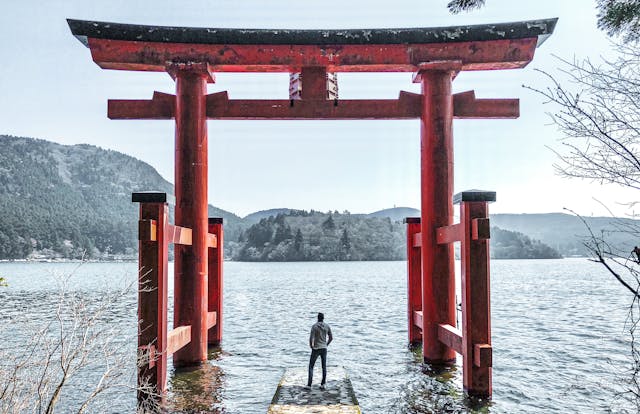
292, 397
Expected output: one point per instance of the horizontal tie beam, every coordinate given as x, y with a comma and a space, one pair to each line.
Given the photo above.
466, 106
407, 106
417, 319
212, 241
161, 106
147, 231
449, 234
179, 235
212, 319
451, 337
178, 338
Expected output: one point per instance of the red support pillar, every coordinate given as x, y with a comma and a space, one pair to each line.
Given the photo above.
190, 288
152, 296
414, 276
216, 259
476, 305
436, 155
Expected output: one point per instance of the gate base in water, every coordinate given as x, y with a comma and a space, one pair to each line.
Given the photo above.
292, 397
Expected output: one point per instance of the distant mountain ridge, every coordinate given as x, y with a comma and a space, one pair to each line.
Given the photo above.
396, 213
74, 200
565, 233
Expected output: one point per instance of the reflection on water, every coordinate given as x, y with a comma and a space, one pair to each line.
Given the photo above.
197, 389
436, 389
552, 321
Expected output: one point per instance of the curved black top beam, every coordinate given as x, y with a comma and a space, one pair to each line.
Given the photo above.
84, 29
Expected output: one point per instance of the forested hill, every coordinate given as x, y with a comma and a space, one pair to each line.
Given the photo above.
70, 201
75, 201
314, 236
294, 235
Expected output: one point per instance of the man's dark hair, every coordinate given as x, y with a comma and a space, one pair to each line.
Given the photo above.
320, 317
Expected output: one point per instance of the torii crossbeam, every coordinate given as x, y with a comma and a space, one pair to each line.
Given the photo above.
192, 56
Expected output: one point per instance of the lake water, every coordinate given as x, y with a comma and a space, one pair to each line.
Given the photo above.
559, 334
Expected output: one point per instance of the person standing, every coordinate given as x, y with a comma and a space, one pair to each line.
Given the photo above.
319, 339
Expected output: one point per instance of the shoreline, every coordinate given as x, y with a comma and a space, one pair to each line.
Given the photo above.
134, 260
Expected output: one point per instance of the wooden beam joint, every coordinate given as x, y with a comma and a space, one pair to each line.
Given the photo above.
161, 106
451, 337
417, 240
212, 319
480, 229
417, 319
147, 230
148, 352
179, 235
212, 241
482, 355
466, 106
178, 338
449, 234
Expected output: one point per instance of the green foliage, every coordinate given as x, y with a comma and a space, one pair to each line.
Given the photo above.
314, 236
457, 6
507, 244
616, 17
329, 224
620, 17
3, 282
72, 201
296, 236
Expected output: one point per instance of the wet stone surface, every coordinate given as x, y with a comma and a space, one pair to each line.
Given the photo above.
292, 395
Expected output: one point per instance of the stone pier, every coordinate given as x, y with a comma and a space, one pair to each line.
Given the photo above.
292, 397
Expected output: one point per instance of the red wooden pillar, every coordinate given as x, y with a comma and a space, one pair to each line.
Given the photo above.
152, 295
414, 279
436, 171
216, 259
476, 305
190, 288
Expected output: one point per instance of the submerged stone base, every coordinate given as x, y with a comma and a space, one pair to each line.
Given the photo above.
292, 397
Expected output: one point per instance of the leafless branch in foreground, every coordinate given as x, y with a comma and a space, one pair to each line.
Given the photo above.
596, 107
78, 357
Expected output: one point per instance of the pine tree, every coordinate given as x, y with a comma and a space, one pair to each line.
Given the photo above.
616, 17
457, 6
283, 232
345, 245
620, 17
329, 224
298, 241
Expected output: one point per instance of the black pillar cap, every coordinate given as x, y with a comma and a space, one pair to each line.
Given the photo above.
215, 220
149, 197
408, 220
474, 195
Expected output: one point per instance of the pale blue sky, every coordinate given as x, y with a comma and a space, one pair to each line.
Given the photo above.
51, 89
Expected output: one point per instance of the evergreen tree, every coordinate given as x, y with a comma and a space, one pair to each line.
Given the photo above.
329, 224
283, 233
298, 242
620, 17
616, 17
345, 245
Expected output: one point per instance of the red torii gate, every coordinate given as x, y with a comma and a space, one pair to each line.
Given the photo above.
192, 56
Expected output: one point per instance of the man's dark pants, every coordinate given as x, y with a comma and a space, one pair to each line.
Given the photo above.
322, 353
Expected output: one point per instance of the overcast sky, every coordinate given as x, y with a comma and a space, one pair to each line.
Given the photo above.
50, 89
